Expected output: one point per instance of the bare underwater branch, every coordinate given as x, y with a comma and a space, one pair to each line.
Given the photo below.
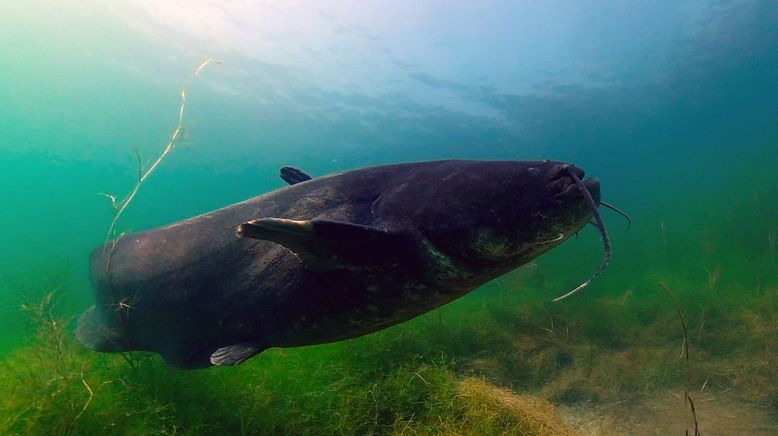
121, 206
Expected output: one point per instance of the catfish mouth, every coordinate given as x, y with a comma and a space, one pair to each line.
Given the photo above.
564, 187
568, 185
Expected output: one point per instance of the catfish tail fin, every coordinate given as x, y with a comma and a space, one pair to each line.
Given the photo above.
93, 332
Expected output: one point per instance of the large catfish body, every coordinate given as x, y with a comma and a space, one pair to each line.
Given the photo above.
327, 259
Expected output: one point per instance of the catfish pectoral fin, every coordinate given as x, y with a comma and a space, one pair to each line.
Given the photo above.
235, 354
326, 244
295, 232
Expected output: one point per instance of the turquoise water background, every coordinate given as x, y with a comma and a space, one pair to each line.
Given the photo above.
672, 105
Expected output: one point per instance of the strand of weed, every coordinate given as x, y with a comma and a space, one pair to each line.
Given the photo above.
86, 405
144, 175
686, 396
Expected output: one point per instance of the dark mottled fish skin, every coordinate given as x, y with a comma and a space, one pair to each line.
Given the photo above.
333, 258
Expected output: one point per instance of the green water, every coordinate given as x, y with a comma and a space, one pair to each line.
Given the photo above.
673, 107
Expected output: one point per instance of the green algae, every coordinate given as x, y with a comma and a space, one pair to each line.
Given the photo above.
411, 379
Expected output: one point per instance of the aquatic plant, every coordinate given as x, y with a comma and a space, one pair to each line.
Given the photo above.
54, 385
143, 174
687, 398
489, 363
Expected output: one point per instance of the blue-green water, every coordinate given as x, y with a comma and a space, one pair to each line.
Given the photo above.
672, 105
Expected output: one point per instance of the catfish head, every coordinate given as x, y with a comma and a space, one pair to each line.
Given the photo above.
489, 217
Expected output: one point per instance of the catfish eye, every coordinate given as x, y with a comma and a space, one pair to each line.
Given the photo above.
533, 171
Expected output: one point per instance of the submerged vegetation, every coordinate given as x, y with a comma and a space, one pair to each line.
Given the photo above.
383, 385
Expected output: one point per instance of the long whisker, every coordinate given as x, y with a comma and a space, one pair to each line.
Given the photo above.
606, 243
559, 237
618, 211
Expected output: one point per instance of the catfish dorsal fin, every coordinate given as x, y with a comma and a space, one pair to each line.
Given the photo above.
327, 244
294, 176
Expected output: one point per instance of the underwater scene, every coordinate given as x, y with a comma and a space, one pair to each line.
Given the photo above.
342, 217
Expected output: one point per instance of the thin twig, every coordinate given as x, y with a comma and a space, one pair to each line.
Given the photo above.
144, 175
694, 415
110, 197
422, 378
88, 401
685, 352
203, 64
